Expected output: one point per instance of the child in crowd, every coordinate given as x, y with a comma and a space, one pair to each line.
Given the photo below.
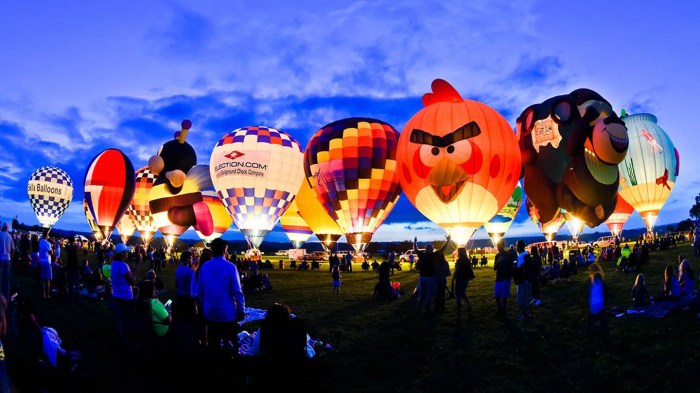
640, 294
335, 274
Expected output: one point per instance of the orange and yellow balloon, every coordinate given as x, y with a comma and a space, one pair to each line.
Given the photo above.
619, 217
323, 226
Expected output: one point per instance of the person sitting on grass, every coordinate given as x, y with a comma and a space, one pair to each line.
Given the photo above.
672, 288
686, 278
640, 294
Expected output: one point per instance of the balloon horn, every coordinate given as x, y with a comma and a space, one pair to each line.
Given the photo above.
186, 125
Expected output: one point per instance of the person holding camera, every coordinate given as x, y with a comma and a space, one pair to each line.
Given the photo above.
221, 294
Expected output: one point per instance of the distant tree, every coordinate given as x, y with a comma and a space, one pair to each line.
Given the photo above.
695, 210
685, 225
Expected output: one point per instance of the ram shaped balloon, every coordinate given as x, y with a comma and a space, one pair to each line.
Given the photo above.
109, 188
294, 226
140, 210
351, 166
257, 171
571, 146
549, 229
459, 161
619, 217
499, 224
648, 173
175, 199
323, 226
50, 192
219, 214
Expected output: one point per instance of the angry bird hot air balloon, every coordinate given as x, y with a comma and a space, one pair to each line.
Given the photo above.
294, 225
175, 199
109, 188
140, 210
317, 218
459, 161
648, 173
50, 192
549, 229
499, 224
619, 217
222, 220
257, 172
571, 145
351, 166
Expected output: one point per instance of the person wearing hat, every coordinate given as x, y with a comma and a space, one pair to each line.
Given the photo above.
122, 302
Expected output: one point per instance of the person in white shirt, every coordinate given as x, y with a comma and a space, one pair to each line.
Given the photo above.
7, 251
45, 253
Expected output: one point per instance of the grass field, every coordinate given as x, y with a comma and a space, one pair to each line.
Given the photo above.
387, 347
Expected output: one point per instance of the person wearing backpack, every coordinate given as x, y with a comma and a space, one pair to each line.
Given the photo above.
522, 277
503, 265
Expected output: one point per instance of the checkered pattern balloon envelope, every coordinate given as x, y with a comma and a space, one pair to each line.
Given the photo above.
549, 229
222, 220
351, 165
50, 192
294, 225
256, 171
91, 222
140, 210
109, 188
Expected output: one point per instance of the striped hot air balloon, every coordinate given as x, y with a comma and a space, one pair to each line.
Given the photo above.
294, 226
109, 188
257, 172
323, 226
351, 166
499, 224
619, 217
648, 172
140, 210
91, 222
222, 220
50, 192
126, 227
549, 229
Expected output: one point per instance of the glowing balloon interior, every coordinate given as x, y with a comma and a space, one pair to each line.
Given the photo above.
91, 222
321, 223
574, 225
459, 161
140, 210
126, 227
222, 220
499, 224
648, 173
549, 229
257, 172
621, 214
50, 192
351, 166
294, 225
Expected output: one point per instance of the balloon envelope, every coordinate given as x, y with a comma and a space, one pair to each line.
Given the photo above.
549, 229
126, 227
459, 161
50, 192
621, 214
294, 225
91, 222
499, 224
109, 188
351, 166
648, 173
222, 220
574, 224
326, 229
140, 210
257, 172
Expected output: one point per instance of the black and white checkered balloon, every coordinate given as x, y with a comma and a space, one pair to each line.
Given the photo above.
50, 192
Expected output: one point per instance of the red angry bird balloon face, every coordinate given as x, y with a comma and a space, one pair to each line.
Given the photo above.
459, 160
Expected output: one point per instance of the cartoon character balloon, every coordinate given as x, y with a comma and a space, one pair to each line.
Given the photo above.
549, 229
619, 217
257, 172
91, 222
140, 210
351, 166
294, 225
50, 192
109, 188
571, 145
459, 161
222, 220
499, 224
648, 173
326, 229
175, 199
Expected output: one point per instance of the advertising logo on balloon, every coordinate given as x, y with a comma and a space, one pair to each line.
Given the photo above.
252, 164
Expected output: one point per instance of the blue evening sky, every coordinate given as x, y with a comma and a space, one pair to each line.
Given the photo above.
77, 77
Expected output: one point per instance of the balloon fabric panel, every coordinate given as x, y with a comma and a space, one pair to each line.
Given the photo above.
140, 210
50, 192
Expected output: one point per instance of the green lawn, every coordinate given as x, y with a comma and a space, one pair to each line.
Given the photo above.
387, 347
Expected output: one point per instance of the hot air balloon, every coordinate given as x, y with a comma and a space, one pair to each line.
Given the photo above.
321, 223
126, 227
459, 161
175, 199
571, 145
91, 222
109, 188
140, 210
549, 229
294, 225
257, 172
222, 220
351, 166
648, 173
50, 192
574, 224
499, 224
621, 214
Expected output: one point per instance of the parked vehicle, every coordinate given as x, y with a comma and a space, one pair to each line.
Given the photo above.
316, 256
297, 254
604, 241
253, 254
405, 257
282, 253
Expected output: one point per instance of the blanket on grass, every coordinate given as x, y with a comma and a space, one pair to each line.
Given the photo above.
659, 309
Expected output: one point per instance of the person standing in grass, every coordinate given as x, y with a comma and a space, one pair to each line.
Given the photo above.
335, 274
597, 298
503, 265
45, 253
7, 252
427, 263
523, 279
463, 274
